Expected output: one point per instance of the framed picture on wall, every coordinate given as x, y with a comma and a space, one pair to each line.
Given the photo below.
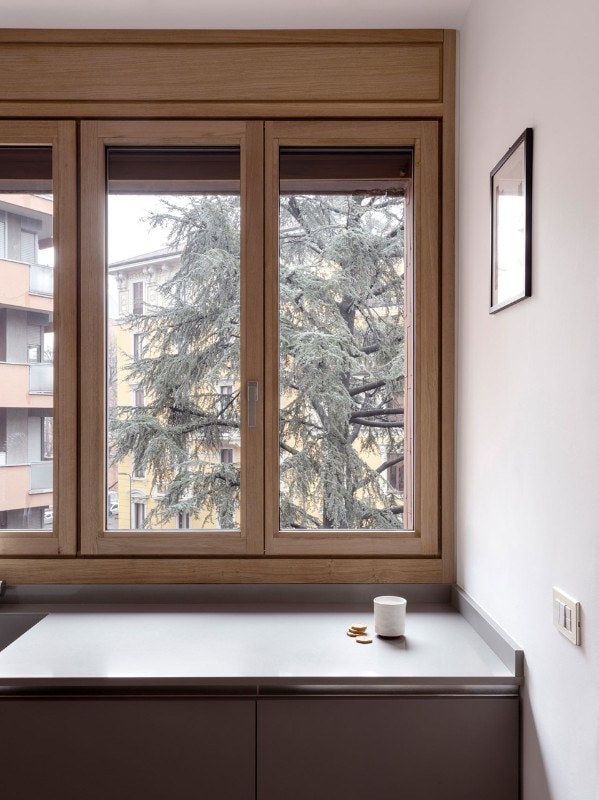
511, 225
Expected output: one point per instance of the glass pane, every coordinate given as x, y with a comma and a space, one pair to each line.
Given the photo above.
344, 349
173, 338
26, 338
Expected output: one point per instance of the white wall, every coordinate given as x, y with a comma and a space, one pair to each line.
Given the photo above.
528, 377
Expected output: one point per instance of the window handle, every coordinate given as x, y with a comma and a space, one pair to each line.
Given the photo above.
252, 402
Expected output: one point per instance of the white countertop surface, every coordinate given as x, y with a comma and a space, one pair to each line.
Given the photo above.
259, 645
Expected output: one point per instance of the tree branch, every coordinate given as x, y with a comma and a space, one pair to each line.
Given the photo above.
390, 463
368, 423
393, 509
375, 412
367, 387
288, 449
369, 349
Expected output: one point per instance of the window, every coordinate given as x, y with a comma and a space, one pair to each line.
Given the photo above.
226, 455
266, 345
137, 289
28, 246
47, 431
139, 515
345, 278
139, 472
183, 520
37, 206
225, 397
352, 297
344, 381
138, 346
395, 471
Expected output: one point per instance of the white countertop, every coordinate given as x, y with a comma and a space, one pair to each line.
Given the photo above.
259, 645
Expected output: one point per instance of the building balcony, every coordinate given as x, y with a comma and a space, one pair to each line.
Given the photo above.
41, 477
41, 378
26, 385
26, 286
41, 280
26, 485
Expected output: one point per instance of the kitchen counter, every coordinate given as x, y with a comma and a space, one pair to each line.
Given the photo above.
254, 646
255, 693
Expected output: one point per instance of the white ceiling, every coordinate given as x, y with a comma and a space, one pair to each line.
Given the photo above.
232, 14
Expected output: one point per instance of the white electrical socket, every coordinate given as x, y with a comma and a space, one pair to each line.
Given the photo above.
566, 615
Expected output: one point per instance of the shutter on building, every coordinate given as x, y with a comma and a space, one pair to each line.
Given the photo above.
28, 247
34, 343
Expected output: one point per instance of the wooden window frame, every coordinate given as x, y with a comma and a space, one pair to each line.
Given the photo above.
96, 136
61, 137
192, 76
422, 137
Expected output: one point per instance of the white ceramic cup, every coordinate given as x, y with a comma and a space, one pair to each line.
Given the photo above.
390, 615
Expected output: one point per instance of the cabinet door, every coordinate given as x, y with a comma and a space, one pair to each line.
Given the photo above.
127, 748
417, 748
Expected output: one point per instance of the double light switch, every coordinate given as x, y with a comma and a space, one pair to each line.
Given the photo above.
566, 615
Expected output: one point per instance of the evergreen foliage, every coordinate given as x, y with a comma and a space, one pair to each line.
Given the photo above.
342, 363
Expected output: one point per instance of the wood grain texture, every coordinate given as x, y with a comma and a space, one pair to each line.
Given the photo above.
214, 110
223, 73
448, 312
221, 570
65, 323
309, 36
252, 344
426, 315
92, 292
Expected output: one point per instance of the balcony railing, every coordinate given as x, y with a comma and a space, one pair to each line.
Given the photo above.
41, 378
41, 476
41, 280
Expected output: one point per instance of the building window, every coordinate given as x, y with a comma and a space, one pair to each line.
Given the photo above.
139, 515
183, 520
395, 471
138, 398
47, 438
137, 346
139, 472
138, 297
28, 247
226, 455
225, 393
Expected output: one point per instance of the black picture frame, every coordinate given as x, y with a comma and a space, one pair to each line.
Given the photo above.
511, 225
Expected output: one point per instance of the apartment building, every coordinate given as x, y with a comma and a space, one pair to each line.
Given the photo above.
26, 361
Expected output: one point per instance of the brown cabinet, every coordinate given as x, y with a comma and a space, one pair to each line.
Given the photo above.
168, 747
124, 748
387, 748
